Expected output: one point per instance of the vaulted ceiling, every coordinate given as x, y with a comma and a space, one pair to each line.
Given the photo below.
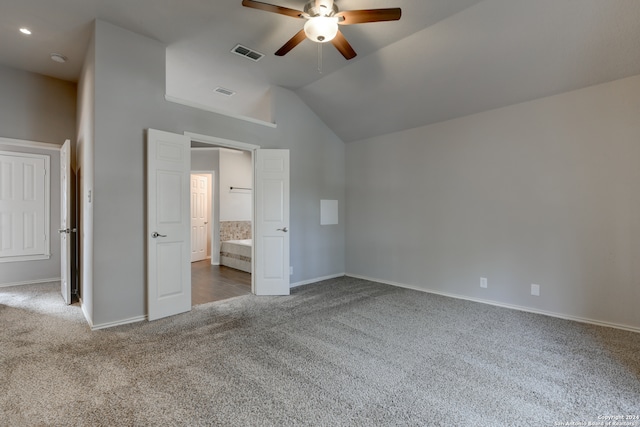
443, 59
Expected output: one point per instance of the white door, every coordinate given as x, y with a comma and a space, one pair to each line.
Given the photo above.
199, 217
168, 221
65, 221
271, 242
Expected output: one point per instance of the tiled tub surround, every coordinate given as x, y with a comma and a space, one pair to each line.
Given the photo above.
236, 254
235, 230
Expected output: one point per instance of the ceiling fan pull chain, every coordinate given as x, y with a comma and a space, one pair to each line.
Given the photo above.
320, 58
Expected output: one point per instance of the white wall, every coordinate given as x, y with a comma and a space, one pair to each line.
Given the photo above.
543, 192
129, 98
235, 171
40, 109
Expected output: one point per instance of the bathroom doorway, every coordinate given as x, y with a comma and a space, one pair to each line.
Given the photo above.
221, 216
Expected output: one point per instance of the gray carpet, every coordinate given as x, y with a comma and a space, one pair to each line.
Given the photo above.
341, 352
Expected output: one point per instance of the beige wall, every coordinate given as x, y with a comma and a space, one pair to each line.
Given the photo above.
544, 192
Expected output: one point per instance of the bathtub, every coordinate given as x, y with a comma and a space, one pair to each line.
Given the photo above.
236, 254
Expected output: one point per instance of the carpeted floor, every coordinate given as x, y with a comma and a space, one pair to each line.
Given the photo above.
340, 352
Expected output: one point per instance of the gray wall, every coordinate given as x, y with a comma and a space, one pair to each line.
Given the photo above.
235, 171
206, 160
84, 176
544, 192
35, 107
41, 109
129, 98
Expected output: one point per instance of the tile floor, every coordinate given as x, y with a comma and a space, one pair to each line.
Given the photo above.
217, 282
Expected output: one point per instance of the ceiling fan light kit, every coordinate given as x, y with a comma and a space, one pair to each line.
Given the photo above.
321, 29
323, 20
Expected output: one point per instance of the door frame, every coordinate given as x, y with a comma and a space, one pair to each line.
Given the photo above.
242, 146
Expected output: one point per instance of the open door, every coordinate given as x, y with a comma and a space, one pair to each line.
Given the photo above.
271, 242
65, 221
168, 223
199, 217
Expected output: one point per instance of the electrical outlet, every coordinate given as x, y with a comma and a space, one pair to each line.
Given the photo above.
483, 282
290, 270
535, 290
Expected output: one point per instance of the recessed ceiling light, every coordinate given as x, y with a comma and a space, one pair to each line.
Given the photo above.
57, 57
25, 31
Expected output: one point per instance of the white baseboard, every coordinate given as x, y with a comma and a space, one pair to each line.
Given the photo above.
318, 279
118, 323
29, 282
503, 305
85, 312
108, 324
143, 318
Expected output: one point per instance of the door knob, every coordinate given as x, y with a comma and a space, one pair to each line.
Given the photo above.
155, 235
285, 229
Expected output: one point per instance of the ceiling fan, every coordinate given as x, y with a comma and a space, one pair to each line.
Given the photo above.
323, 18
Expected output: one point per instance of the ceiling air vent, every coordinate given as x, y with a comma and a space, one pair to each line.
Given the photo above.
247, 53
223, 91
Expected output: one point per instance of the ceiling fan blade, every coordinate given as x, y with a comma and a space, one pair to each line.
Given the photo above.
293, 42
369, 15
272, 8
343, 46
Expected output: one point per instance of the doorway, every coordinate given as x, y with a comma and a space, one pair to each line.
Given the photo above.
221, 223
168, 219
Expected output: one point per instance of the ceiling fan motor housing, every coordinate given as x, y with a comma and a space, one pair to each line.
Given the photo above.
321, 25
320, 8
